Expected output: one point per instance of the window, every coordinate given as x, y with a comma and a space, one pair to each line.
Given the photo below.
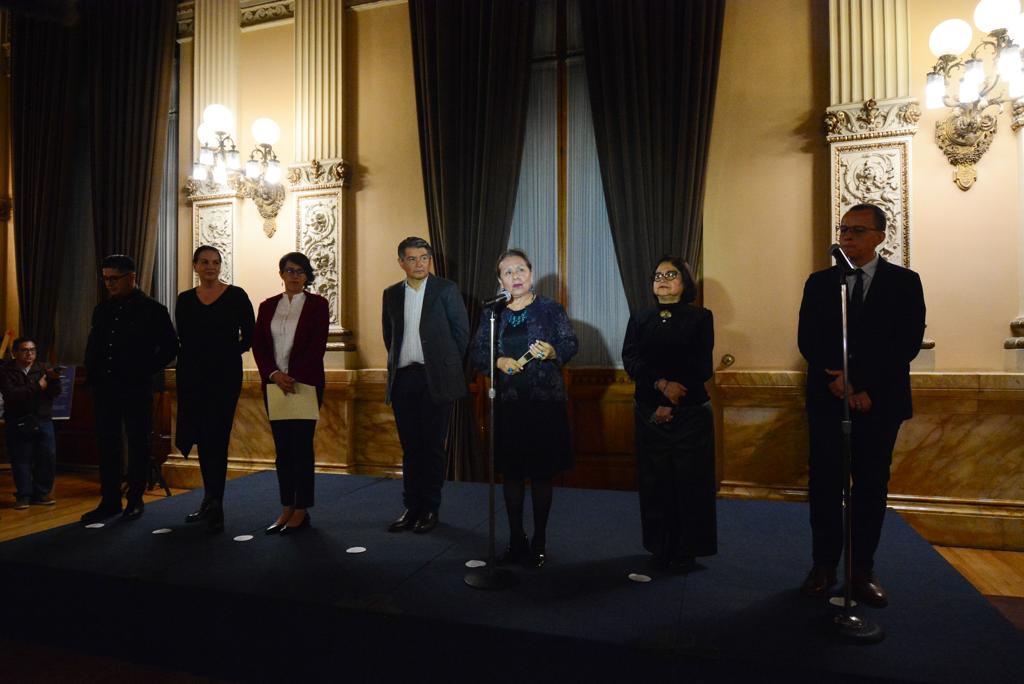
560, 217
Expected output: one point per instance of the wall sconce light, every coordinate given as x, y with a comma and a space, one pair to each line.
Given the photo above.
262, 182
965, 135
219, 167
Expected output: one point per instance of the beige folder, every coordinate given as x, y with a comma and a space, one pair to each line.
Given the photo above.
301, 405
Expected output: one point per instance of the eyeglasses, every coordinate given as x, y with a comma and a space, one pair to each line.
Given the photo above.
667, 275
293, 271
26, 350
514, 271
856, 230
422, 258
110, 280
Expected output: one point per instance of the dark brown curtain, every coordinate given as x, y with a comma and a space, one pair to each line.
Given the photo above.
651, 70
129, 50
43, 73
472, 70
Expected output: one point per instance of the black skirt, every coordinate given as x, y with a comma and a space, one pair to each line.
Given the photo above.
532, 441
676, 477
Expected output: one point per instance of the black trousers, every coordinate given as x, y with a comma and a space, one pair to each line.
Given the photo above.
873, 439
213, 464
129, 408
422, 428
293, 441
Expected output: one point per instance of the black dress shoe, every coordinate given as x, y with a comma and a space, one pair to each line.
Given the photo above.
134, 511
406, 521
426, 521
819, 580
867, 589
292, 529
100, 513
275, 527
215, 518
518, 551
200, 514
537, 555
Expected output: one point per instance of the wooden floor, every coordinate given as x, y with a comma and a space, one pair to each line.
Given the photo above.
999, 575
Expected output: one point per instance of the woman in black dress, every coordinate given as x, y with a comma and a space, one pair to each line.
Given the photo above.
215, 323
532, 439
667, 352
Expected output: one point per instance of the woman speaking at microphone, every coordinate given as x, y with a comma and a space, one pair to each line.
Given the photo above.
534, 341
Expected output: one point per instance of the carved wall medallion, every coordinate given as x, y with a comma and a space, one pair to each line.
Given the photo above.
213, 223
318, 236
1017, 122
872, 120
318, 174
877, 173
964, 140
267, 198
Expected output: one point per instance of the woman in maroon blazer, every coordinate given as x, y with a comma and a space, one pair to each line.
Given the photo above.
289, 344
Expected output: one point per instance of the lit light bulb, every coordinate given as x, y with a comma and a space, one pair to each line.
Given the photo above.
199, 173
266, 131
1009, 62
273, 173
968, 91
218, 118
935, 91
990, 15
234, 160
206, 156
974, 73
950, 37
220, 173
1015, 89
252, 169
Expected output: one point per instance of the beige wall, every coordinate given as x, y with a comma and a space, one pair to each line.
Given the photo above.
385, 203
766, 209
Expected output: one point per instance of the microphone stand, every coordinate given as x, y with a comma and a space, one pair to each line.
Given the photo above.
846, 625
491, 577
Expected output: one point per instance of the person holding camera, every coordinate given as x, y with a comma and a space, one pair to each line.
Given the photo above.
29, 390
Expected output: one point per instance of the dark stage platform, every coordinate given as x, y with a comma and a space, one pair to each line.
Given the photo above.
302, 608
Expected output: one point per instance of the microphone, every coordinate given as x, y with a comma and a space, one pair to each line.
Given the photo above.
503, 297
842, 260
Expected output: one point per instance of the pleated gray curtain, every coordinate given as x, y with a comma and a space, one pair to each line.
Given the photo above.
471, 60
43, 70
652, 66
129, 53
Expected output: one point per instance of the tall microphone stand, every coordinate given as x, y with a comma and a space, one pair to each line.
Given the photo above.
845, 623
490, 576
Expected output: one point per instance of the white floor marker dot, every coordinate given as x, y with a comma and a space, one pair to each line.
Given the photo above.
163, 530
475, 563
95, 526
356, 549
637, 577
243, 538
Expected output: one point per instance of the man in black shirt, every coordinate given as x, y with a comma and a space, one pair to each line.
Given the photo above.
131, 340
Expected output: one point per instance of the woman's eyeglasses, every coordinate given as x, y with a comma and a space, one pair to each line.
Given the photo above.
667, 275
293, 271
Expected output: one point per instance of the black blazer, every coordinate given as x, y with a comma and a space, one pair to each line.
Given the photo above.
444, 334
882, 344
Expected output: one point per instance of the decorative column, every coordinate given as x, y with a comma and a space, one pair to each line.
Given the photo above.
873, 118
320, 174
1016, 338
215, 207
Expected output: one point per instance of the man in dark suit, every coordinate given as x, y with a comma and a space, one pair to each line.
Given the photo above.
131, 340
426, 331
886, 314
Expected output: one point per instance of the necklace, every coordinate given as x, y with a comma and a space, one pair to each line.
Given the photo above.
516, 317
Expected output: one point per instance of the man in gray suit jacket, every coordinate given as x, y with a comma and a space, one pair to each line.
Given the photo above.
425, 376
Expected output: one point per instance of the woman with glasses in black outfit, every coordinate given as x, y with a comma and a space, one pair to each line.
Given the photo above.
667, 352
215, 323
289, 346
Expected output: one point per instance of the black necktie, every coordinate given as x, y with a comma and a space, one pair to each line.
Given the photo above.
857, 298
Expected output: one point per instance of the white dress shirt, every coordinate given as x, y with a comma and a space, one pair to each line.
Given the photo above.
282, 328
412, 346
869, 273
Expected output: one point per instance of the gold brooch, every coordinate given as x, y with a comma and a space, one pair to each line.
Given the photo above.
665, 313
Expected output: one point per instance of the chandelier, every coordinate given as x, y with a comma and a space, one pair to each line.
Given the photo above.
986, 79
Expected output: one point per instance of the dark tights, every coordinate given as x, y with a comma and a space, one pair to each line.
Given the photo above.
515, 494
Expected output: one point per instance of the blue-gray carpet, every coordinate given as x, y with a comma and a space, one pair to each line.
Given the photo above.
401, 609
